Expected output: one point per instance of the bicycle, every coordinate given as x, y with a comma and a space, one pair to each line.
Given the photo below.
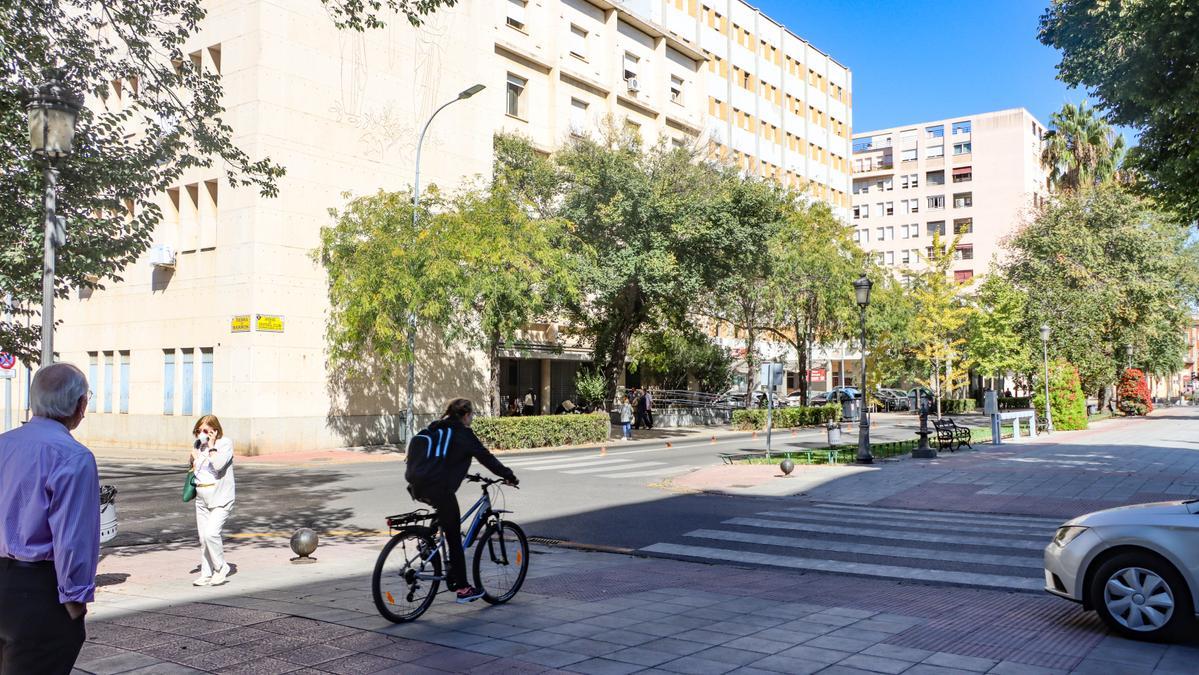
408, 572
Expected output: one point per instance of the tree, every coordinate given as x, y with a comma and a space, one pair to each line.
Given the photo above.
939, 320
814, 263
1067, 403
1141, 59
681, 358
1080, 148
889, 320
1132, 395
361, 15
994, 343
135, 138
1105, 271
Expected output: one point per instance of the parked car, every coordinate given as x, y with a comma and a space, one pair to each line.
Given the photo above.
1137, 566
892, 399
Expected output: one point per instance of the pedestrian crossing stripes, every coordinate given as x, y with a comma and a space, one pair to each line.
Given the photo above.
985, 550
622, 464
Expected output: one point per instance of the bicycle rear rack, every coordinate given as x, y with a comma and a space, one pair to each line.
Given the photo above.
401, 520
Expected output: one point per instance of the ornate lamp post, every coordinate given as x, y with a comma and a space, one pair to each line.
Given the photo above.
861, 289
410, 417
1045, 357
53, 110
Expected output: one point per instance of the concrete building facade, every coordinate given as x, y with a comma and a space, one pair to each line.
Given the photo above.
977, 176
226, 312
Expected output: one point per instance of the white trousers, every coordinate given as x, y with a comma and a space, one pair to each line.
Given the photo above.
210, 520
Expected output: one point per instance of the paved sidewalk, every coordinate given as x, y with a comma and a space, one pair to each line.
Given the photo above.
585, 613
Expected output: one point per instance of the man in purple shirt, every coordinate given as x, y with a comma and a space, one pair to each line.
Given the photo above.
49, 528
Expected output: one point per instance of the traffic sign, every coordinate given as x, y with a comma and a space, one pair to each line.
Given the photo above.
8, 366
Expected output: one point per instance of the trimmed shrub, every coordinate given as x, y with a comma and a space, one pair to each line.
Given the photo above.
1015, 402
540, 431
1132, 395
786, 418
957, 406
1066, 401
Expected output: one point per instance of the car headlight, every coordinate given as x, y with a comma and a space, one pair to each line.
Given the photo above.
1067, 533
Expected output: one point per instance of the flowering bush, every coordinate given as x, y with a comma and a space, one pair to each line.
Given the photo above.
1132, 396
1066, 401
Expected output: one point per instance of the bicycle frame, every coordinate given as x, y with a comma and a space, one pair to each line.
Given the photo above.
481, 511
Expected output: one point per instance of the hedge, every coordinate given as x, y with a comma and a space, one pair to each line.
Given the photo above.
957, 406
786, 418
539, 431
1132, 395
1066, 400
1015, 402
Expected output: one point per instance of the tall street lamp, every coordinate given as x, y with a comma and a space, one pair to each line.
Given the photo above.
53, 110
410, 421
1045, 357
861, 289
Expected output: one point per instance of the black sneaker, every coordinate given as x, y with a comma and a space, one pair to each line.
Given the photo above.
468, 594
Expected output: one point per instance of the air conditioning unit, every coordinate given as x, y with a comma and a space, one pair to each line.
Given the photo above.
162, 255
633, 85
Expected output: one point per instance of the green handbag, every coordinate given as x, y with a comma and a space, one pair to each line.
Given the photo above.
189, 486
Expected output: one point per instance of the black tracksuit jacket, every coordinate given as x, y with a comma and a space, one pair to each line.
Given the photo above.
449, 448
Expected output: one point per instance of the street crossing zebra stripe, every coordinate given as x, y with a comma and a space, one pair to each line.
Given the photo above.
590, 462
955, 515
891, 534
901, 521
666, 471
622, 467
846, 567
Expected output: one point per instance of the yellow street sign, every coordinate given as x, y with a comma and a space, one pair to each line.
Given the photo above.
266, 323
240, 323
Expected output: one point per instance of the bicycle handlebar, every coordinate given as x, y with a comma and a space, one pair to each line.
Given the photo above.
480, 478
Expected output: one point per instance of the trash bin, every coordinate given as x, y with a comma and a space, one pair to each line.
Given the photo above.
1092, 408
834, 434
851, 409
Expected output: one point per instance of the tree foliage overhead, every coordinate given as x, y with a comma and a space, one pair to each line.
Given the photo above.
1141, 58
129, 147
361, 15
1080, 148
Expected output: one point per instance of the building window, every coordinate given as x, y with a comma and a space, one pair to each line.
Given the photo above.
188, 368
578, 117
880, 234
962, 276
631, 66
676, 89
907, 155
93, 377
889, 209
888, 184
578, 42
963, 226
890, 257
963, 174
857, 235
936, 227
935, 178
936, 202
516, 14
961, 148
109, 366
907, 137
912, 206
861, 187
961, 127
168, 381
516, 95
934, 132
964, 252
962, 200
206, 381
935, 151
123, 401
905, 256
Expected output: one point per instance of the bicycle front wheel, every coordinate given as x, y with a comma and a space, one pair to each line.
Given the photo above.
407, 575
501, 562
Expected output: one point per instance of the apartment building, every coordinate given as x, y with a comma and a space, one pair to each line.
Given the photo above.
226, 312
975, 176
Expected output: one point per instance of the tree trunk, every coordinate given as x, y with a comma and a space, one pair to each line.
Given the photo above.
803, 356
751, 339
493, 385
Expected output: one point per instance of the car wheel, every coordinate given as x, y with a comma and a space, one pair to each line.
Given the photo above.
1141, 596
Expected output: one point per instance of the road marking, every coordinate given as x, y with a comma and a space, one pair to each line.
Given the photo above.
897, 535
634, 465
590, 462
954, 515
652, 472
1030, 562
901, 521
844, 567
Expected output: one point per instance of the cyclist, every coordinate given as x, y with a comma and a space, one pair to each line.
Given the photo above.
437, 461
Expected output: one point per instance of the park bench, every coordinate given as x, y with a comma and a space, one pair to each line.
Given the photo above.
952, 435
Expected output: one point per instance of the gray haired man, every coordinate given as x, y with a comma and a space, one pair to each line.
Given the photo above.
49, 528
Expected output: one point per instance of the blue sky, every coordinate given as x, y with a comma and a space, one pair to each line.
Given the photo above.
919, 60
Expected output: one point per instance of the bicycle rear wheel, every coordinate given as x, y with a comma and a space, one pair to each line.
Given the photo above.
501, 562
407, 575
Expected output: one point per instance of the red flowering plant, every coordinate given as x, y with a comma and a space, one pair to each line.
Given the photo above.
1132, 395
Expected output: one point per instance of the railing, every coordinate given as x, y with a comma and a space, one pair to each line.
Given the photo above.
683, 398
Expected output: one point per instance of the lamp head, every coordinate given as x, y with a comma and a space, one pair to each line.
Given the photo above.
861, 289
53, 110
1044, 332
467, 93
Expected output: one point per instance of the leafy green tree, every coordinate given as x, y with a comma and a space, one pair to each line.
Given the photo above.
1105, 270
361, 15
940, 320
1140, 57
128, 148
814, 262
1067, 403
1080, 148
995, 344
891, 357
681, 357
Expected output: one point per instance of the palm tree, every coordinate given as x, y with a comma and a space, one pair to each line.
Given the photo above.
1081, 149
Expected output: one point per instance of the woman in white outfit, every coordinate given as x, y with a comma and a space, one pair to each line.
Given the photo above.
212, 461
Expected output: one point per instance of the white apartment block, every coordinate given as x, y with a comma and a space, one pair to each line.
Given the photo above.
976, 176
226, 313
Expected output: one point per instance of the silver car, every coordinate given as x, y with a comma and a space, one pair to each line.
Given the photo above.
1137, 566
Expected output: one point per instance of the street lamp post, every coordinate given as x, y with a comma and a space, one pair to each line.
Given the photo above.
861, 289
52, 112
1045, 357
410, 418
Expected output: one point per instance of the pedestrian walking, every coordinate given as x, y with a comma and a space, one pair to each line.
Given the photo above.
638, 407
649, 410
530, 403
626, 419
49, 528
212, 462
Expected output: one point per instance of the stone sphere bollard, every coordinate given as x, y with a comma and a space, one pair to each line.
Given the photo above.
303, 543
787, 466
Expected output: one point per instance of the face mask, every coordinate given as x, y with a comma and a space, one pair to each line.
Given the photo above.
203, 437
